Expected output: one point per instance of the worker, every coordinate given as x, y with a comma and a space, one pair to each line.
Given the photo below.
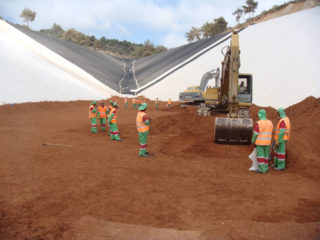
281, 136
169, 103
112, 120
93, 116
140, 101
126, 103
134, 105
261, 138
242, 88
109, 110
143, 123
102, 115
157, 103
137, 103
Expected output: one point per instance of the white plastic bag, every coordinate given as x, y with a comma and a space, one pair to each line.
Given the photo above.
253, 157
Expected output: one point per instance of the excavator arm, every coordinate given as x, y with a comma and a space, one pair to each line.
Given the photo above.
232, 129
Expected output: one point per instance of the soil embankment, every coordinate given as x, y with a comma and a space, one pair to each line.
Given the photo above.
190, 189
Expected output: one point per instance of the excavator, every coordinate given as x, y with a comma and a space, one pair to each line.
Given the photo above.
226, 97
236, 127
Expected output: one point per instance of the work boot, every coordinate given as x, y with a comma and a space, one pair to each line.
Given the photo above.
143, 154
279, 169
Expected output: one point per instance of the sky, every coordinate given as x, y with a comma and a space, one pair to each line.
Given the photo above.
163, 22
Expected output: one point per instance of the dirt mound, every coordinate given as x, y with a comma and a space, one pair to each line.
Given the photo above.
190, 183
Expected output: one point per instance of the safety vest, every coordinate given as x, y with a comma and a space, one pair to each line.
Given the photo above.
114, 118
265, 133
133, 101
286, 135
91, 114
141, 126
102, 112
169, 101
125, 100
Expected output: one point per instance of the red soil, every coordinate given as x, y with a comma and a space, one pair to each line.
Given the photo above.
89, 189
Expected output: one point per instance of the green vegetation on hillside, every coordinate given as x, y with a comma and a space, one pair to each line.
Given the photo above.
123, 49
219, 25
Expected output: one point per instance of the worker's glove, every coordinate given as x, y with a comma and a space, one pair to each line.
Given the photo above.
276, 143
94, 110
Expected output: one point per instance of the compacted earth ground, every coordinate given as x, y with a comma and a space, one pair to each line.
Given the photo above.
59, 181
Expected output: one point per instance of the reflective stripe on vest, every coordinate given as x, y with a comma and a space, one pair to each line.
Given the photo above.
102, 112
91, 114
141, 126
286, 135
265, 132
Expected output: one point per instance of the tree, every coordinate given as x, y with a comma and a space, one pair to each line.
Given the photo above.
218, 26
238, 13
74, 36
28, 15
193, 34
55, 31
250, 7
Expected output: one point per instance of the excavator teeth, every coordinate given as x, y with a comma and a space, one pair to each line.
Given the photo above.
233, 130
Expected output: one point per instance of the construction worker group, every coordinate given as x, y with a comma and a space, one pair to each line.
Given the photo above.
108, 120
262, 140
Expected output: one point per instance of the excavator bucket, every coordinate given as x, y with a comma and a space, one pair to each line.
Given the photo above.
233, 130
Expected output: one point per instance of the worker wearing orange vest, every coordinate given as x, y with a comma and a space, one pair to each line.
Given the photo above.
109, 109
126, 103
281, 136
143, 123
112, 120
102, 115
169, 103
93, 116
262, 136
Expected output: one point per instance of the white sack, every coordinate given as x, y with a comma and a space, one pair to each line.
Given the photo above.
253, 157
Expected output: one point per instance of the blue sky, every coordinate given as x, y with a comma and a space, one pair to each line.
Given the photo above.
164, 22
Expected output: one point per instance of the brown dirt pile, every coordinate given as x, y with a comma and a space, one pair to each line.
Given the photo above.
192, 184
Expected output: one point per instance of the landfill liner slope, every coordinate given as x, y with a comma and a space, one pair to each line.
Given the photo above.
79, 184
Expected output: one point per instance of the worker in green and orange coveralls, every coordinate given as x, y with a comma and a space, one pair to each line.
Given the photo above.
262, 136
93, 116
112, 120
281, 136
169, 103
126, 103
157, 103
102, 115
143, 125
